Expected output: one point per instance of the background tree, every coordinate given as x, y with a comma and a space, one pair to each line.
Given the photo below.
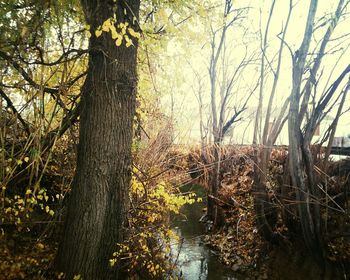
308, 106
301, 160
263, 207
224, 87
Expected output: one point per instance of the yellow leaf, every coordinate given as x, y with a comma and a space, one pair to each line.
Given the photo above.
106, 25
133, 33
114, 32
128, 41
112, 262
98, 33
26, 159
40, 246
119, 41
124, 30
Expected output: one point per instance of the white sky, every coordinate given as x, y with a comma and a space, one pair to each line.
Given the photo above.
186, 106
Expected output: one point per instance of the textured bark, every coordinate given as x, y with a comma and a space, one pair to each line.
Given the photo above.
98, 203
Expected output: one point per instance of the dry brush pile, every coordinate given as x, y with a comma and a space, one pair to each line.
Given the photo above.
239, 243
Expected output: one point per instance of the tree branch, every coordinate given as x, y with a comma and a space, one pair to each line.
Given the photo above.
14, 110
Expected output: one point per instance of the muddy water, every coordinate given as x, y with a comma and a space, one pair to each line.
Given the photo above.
194, 259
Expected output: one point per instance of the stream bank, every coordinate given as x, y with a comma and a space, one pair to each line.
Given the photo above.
198, 258
195, 260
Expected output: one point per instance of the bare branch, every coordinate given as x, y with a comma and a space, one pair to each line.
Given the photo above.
14, 110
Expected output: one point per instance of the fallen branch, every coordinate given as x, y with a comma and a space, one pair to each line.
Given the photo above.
235, 204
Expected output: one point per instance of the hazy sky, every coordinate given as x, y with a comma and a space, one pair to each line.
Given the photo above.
186, 106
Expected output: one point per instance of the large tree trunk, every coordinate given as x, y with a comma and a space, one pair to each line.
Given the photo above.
98, 203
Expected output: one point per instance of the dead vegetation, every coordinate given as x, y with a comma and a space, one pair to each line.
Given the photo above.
239, 243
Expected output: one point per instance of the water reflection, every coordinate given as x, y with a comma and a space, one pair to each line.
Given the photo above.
196, 261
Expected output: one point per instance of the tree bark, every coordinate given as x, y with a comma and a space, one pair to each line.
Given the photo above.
96, 217
299, 157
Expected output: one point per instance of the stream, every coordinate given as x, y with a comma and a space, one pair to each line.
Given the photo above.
194, 259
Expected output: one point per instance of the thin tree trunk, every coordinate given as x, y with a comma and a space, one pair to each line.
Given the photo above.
310, 227
261, 200
96, 217
214, 212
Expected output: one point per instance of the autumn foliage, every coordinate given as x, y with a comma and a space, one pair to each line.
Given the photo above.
239, 242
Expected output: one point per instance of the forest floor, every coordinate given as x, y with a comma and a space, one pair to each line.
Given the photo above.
30, 254
26, 255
